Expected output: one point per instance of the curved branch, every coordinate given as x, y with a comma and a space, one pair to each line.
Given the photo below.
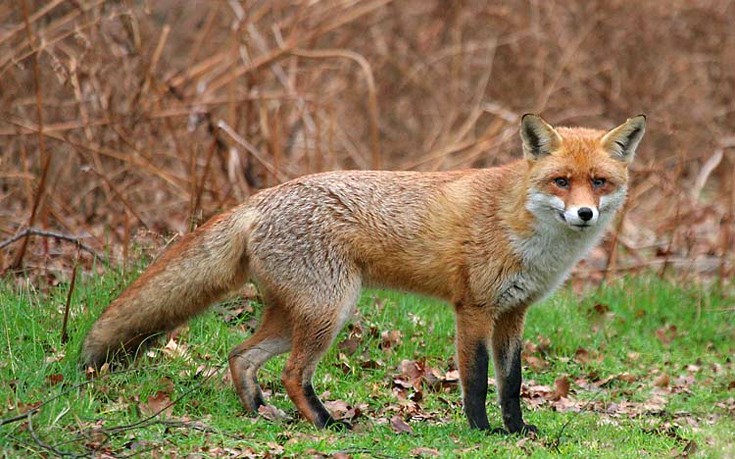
369, 78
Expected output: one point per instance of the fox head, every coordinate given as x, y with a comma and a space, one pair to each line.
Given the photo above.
578, 177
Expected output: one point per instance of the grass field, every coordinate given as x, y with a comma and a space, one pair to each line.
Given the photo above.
641, 368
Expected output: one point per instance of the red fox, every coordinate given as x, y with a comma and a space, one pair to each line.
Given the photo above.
490, 241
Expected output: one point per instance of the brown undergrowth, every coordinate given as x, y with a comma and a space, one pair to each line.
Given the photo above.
121, 118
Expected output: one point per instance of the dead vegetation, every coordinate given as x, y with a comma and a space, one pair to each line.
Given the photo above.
120, 116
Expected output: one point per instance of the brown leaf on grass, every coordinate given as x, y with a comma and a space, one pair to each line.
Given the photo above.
24, 407
690, 449
536, 363
544, 343
54, 379
158, 403
535, 394
275, 449
206, 371
561, 388
390, 339
349, 345
541, 346
175, 350
344, 363
451, 376
693, 368
662, 380
93, 372
55, 356
412, 371
600, 309
241, 311
371, 364
655, 404
727, 405
272, 413
627, 377
400, 426
417, 375
666, 334
582, 356
424, 452
342, 411
683, 383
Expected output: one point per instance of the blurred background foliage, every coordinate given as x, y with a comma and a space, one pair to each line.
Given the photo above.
124, 119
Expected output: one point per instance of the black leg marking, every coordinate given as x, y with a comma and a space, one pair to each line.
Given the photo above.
510, 393
323, 418
510, 389
475, 390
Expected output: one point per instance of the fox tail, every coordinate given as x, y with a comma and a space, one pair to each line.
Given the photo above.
200, 268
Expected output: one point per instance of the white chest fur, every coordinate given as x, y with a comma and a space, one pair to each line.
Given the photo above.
547, 257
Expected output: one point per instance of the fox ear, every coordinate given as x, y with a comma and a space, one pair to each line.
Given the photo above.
539, 138
622, 141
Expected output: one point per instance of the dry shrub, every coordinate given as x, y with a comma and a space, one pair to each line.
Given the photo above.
119, 116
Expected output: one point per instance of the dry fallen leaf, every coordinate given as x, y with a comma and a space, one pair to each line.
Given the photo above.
424, 452
536, 363
349, 345
582, 356
451, 376
561, 388
601, 309
342, 411
159, 403
662, 380
54, 379
390, 339
626, 377
399, 425
176, 350
666, 334
272, 413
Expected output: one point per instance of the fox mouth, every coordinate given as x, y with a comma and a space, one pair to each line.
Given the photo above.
574, 226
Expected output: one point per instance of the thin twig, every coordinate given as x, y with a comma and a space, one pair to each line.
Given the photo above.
46, 157
252, 150
64, 334
56, 235
367, 70
557, 441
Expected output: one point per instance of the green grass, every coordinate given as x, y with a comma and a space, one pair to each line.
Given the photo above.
639, 328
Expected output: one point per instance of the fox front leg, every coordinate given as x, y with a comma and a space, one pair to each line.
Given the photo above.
506, 344
473, 332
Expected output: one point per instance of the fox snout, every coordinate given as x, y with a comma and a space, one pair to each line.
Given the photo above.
580, 217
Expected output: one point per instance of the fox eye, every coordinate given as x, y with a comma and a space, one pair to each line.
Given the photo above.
561, 182
598, 182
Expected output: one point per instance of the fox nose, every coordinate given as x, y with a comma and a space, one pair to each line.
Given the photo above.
585, 213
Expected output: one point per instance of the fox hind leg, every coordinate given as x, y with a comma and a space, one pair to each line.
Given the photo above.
273, 337
313, 334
